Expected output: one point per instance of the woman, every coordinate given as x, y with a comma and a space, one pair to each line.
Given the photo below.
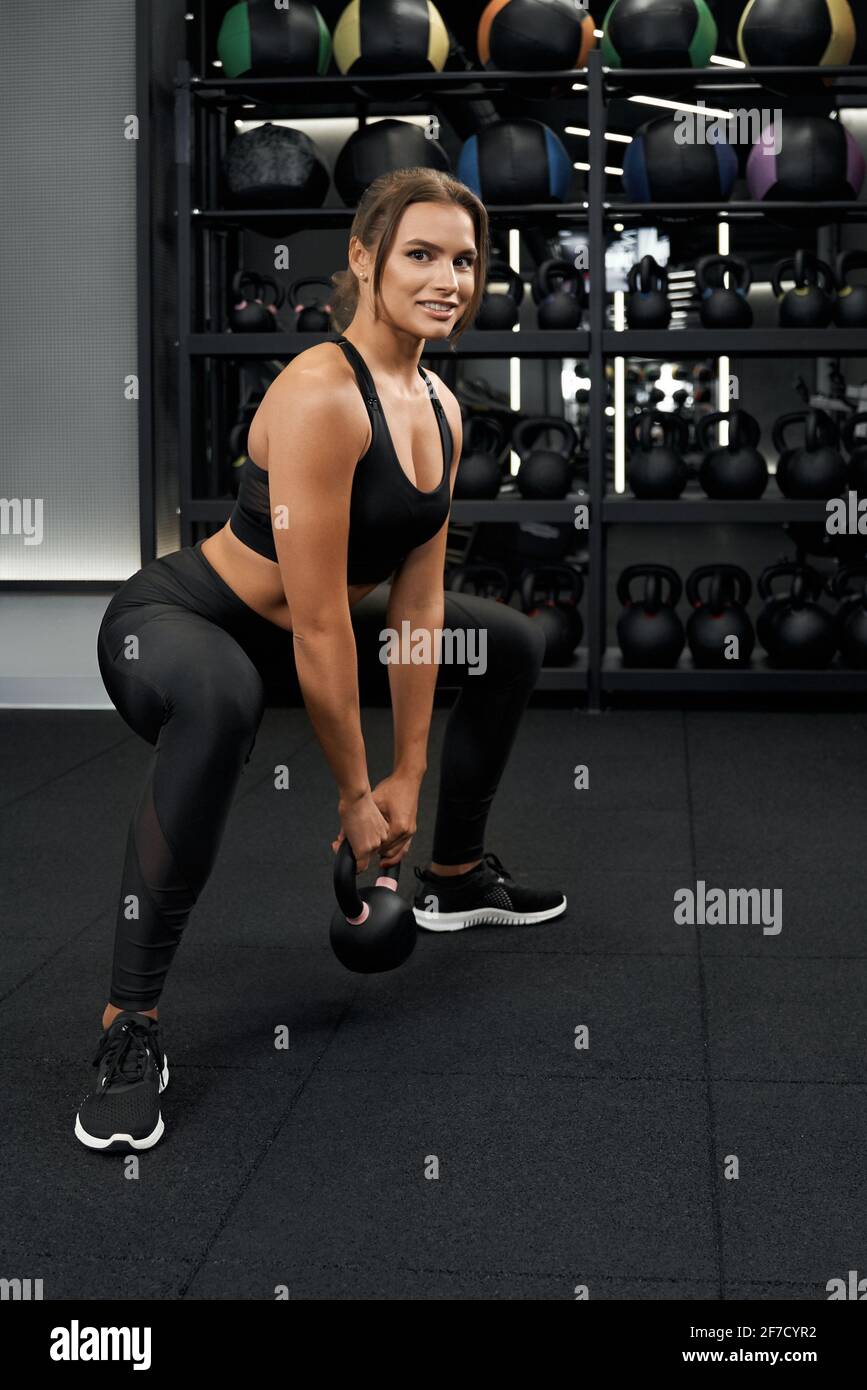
354, 451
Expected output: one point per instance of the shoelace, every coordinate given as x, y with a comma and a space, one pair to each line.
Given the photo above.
128, 1053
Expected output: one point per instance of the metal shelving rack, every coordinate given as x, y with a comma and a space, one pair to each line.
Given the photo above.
596, 670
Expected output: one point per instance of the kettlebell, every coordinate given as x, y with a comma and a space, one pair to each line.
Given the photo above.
479, 472
485, 581
857, 451
558, 289
658, 470
816, 470
736, 470
310, 317
255, 301
558, 618
724, 306
648, 306
499, 312
810, 302
372, 930
850, 309
850, 623
544, 473
793, 629
719, 595
649, 632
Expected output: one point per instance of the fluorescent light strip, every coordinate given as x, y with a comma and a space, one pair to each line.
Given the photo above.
682, 106
619, 399
609, 169
514, 362
609, 135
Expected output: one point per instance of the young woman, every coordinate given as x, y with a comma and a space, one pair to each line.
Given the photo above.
353, 454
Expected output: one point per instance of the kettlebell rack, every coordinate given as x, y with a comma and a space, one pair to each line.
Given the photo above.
199, 146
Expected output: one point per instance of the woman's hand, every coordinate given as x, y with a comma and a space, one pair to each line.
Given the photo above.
364, 826
396, 798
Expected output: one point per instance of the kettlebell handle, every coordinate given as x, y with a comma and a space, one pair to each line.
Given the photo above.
662, 574
268, 284
847, 261
349, 900
549, 576
480, 574
489, 432
298, 285
821, 431
789, 568
794, 417
739, 270
675, 430
501, 272
744, 430
731, 578
647, 276
805, 270
570, 279
253, 282
839, 581
525, 433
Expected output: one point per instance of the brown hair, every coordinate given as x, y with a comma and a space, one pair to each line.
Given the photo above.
376, 219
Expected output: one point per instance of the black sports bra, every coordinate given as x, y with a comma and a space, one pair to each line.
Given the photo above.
388, 515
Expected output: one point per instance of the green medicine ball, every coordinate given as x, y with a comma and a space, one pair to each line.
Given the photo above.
659, 34
259, 39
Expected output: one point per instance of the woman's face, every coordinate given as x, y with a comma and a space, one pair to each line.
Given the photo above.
430, 272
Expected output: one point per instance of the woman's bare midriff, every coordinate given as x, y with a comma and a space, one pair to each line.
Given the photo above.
255, 578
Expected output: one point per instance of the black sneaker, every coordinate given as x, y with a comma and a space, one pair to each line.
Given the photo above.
122, 1115
485, 895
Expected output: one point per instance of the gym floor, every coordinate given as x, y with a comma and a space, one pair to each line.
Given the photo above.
606, 1167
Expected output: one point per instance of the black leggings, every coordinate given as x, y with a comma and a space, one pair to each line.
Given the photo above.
189, 667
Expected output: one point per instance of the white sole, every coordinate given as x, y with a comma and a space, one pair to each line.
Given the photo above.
482, 916
91, 1142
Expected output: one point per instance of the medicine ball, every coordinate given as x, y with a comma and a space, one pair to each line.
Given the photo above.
799, 33
274, 166
382, 37
379, 148
519, 161
535, 35
257, 38
659, 169
818, 161
658, 34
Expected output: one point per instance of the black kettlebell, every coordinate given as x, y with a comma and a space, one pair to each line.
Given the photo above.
850, 309
310, 316
817, 469
648, 305
479, 471
558, 289
374, 929
254, 303
658, 470
857, 451
793, 629
810, 302
499, 312
558, 617
649, 631
719, 595
850, 623
724, 306
544, 473
735, 470
485, 581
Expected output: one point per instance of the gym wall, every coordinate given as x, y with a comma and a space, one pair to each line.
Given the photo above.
69, 266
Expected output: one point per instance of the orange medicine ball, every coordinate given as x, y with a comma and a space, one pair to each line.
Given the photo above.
535, 35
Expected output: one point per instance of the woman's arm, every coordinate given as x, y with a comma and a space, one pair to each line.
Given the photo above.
316, 430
